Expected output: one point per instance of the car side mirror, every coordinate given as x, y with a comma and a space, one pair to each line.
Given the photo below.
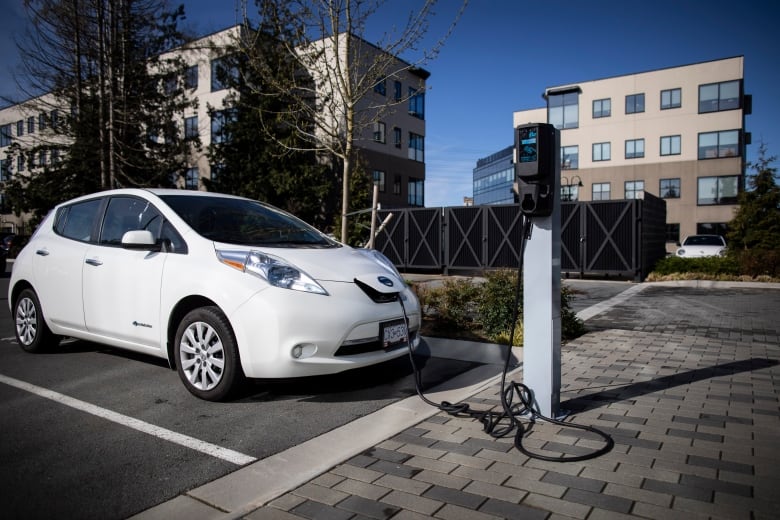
140, 239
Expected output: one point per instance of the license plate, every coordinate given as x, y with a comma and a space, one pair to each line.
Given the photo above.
393, 333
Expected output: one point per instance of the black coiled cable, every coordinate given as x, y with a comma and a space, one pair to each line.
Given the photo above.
502, 424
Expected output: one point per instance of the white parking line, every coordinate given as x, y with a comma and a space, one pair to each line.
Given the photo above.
213, 450
604, 306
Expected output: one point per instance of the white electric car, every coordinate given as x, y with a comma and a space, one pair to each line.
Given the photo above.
222, 287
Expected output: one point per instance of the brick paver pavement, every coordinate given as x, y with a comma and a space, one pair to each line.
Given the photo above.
685, 380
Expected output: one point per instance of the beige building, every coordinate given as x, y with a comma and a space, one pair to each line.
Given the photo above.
390, 142
677, 133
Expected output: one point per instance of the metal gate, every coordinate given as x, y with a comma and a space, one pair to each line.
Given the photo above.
622, 238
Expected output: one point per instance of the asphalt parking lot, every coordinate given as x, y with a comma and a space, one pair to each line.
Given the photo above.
94, 432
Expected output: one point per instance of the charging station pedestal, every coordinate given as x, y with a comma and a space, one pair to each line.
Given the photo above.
541, 264
542, 311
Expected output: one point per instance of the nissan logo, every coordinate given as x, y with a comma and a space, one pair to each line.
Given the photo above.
385, 281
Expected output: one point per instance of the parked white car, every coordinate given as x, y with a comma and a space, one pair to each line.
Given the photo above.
696, 246
222, 287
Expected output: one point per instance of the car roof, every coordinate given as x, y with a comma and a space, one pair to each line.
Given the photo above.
158, 192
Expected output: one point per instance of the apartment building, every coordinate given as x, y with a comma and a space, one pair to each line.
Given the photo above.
390, 147
677, 133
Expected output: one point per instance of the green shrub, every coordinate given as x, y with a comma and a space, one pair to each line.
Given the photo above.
758, 262
453, 302
709, 265
571, 326
496, 302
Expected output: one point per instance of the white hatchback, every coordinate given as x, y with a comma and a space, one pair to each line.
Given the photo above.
222, 287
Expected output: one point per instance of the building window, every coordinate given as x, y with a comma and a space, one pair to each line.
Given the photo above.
223, 73
170, 84
416, 192
219, 134
54, 119
398, 91
31, 125
397, 138
191, 77
416, 103
715, 97
635, 103
601, 151
42, 121
5, 172
20, 128
671, 98
570, 193
42, 158
55, 156
635, 148
673, 233
397, 185
379, 132
191, 127
5, 135
191, 179
379, 180
563, 110
714, 145
602, 108
717, 190
670, 145
20, 163
635, 189
381, 87
570, 157
600, 191
416, 147
712, 228
669, 188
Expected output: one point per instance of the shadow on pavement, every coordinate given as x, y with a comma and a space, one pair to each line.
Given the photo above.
623, 393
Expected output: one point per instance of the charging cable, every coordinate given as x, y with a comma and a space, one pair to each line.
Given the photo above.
501, 424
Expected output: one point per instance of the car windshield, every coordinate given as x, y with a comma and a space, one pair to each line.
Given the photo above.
703, 240
245, 222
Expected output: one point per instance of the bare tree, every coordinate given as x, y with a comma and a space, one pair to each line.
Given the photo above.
331, 107
99, 72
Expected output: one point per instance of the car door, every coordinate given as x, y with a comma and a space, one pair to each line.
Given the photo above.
122, 286
58, 263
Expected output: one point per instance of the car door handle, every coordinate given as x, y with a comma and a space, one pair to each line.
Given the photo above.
41, 252
93, 261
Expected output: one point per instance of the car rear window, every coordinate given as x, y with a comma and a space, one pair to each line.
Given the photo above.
245, 222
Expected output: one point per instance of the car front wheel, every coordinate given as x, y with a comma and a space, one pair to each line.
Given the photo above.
32, 333
207, 355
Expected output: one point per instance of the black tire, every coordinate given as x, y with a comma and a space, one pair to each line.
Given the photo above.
32, 333
207, 355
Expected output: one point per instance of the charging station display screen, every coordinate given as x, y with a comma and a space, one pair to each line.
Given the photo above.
528, 149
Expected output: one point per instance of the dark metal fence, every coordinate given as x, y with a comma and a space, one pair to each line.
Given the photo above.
617, 238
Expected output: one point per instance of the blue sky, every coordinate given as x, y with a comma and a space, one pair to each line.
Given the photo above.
504, 53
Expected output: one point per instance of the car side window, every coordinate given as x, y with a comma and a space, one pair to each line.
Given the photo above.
125, 214
76, 221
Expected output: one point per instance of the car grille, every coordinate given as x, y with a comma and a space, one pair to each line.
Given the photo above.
371, 345
376, 296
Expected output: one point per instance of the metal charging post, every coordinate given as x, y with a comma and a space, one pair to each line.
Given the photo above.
542, 302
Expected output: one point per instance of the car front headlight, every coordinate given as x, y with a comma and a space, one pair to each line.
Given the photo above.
274, 270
